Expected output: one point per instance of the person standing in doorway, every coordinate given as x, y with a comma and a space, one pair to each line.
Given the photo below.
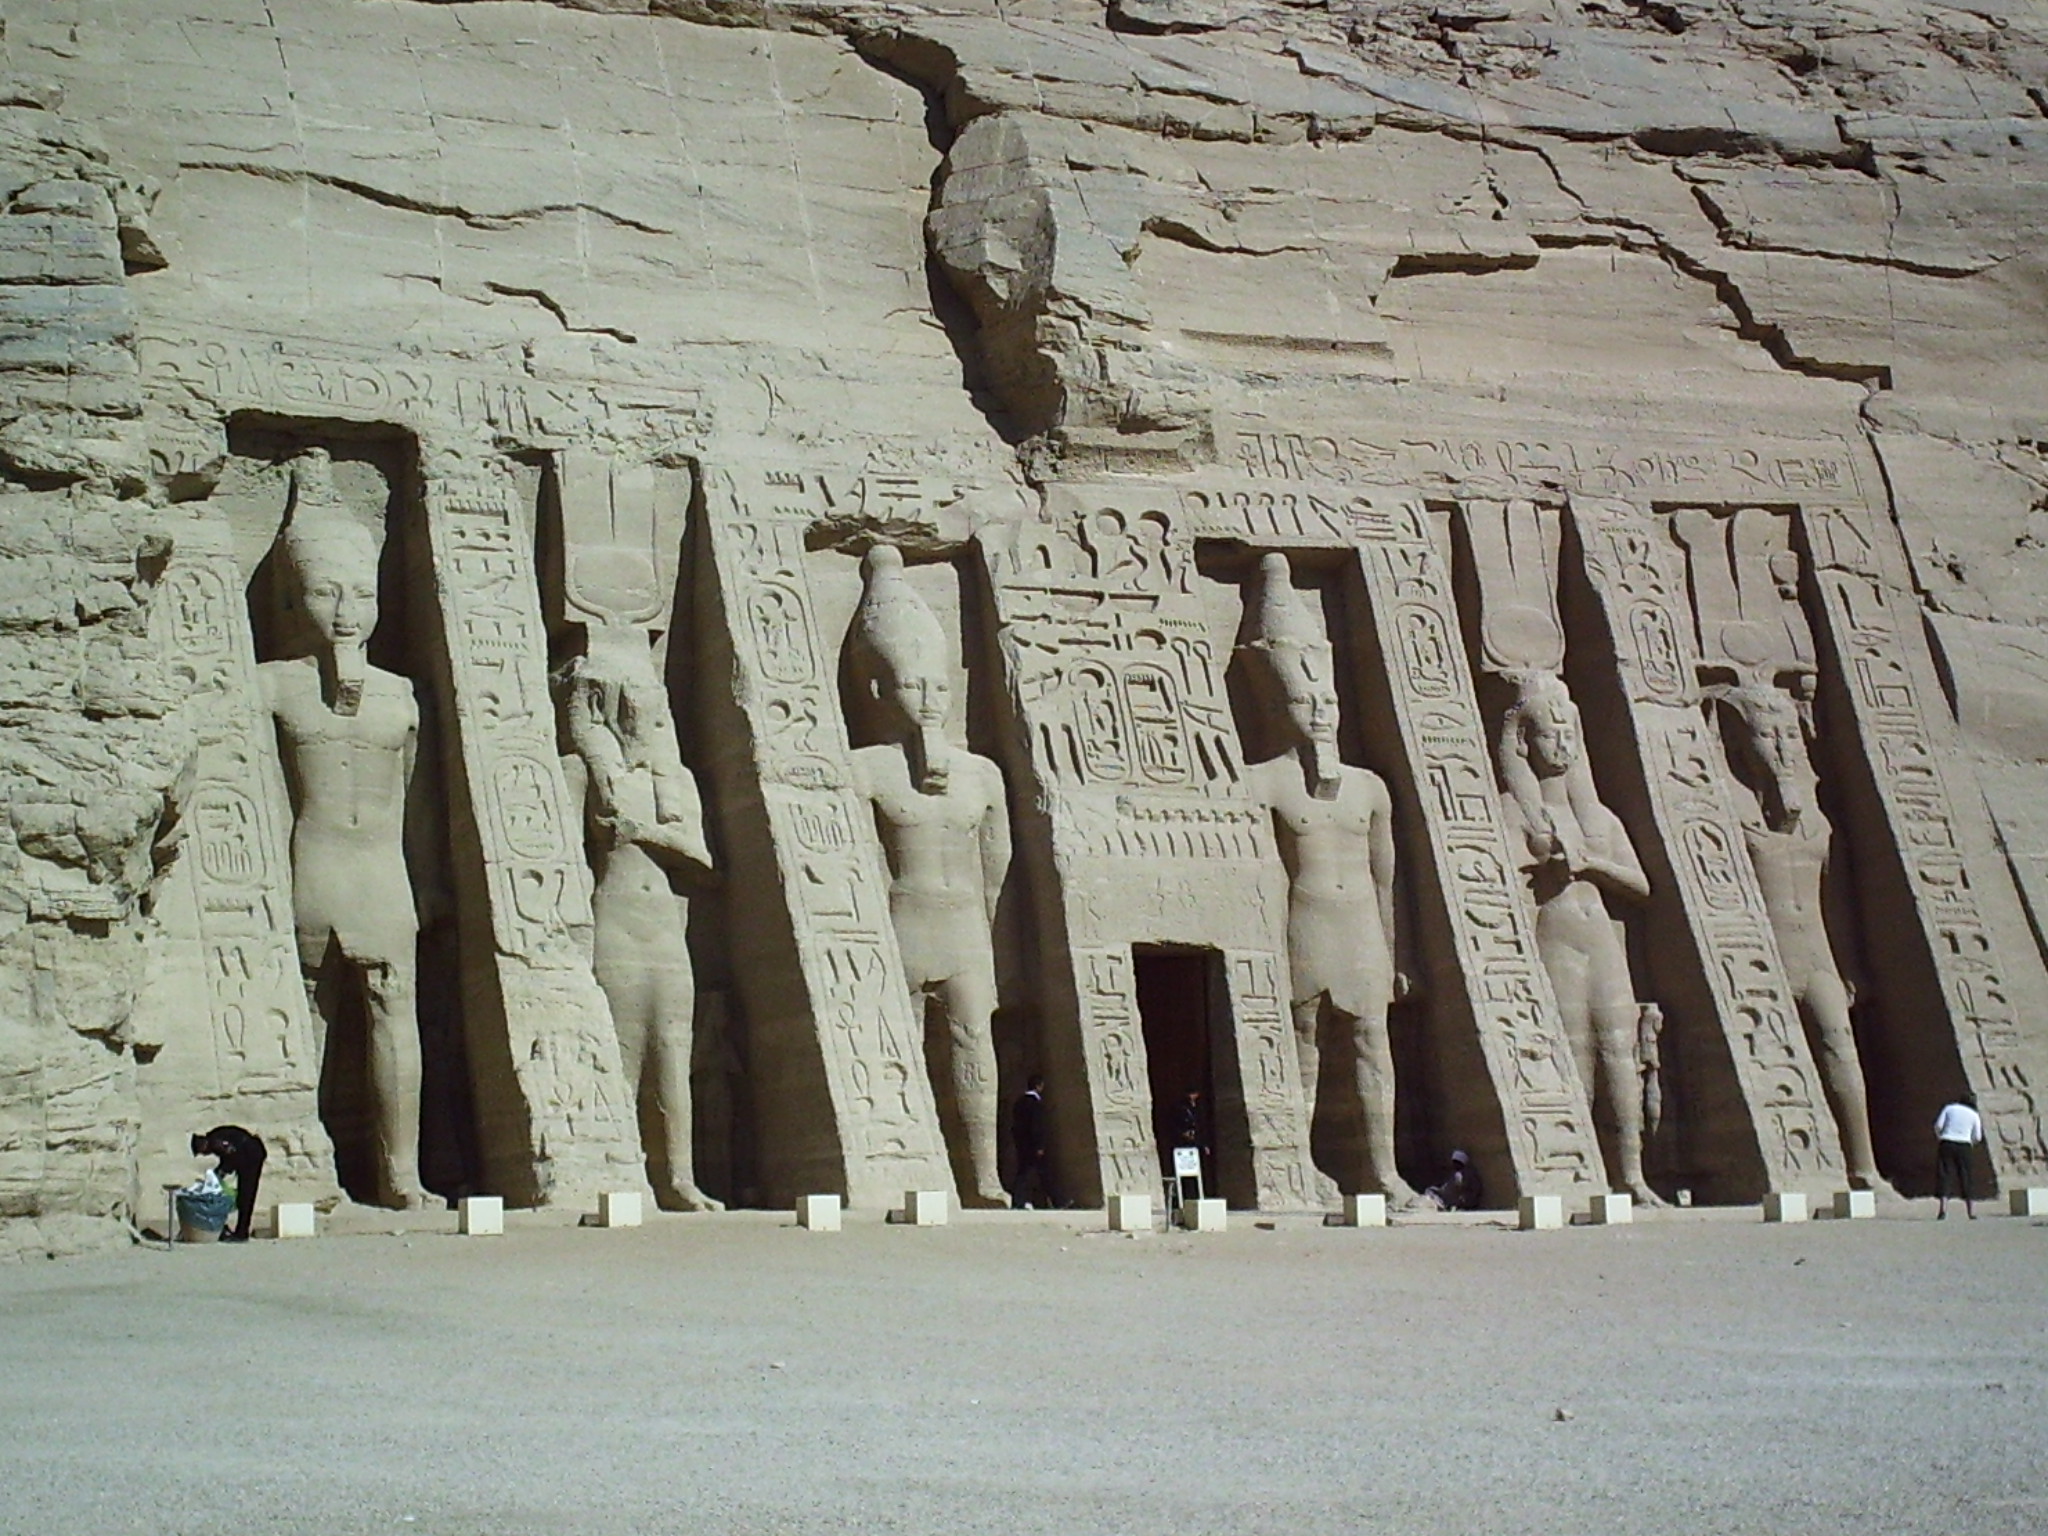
1957, 1129
1033, 1186
241, 1153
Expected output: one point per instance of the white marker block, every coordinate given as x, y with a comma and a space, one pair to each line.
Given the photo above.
1365, 1211
1541, 1213
619, 1208
1785, 1205
1611, 1210
927, 1207
818, 1213
1130, 1213
1204, 1215
483, 1216
291, 1220
2027, 1202
1855, 1204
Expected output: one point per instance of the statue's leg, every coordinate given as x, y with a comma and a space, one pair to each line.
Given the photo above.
674, 1038
1372, 1065
1308, 1023
969, 1002
395, 1079
1620, 1096
1825, 1004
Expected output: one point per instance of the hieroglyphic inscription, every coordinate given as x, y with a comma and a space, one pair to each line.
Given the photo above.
826, 848
1270, 1071
1506, 993
1637, 577
1874, 630
1394, 458
1115, 1056
562, 1044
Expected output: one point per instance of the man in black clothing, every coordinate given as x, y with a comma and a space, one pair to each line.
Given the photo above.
1027, 1139
241, 1153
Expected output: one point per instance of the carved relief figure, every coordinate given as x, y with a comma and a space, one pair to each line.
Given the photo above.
646, 827
1335, 829
1790, 842
348, 734
1576, 855
943, 817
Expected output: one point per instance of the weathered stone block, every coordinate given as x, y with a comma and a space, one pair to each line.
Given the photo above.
619, 1208
483, 1216
1130, 1213
1785, 1205
1209, 1215
1541, 1213
290, 1219
818, 1213
1855, 1205
1611, 1210
2027, 1202
927, 1207
1365, 1211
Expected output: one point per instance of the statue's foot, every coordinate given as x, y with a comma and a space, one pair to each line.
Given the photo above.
1402, 1197
688, 1197
1876, 1184
989, 1197
413, 1198
1643, 1195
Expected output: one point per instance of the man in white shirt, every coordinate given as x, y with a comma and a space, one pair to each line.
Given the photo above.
1957, 1129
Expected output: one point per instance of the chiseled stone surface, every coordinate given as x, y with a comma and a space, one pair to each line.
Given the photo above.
921, 545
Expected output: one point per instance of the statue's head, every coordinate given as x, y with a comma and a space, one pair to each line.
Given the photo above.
899, 649
1772, 726
333, 557
1543, 725
1298, 662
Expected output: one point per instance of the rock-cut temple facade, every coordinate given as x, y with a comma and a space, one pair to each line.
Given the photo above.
682, 597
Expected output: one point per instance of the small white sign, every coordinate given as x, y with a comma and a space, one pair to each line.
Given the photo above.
1187, 1162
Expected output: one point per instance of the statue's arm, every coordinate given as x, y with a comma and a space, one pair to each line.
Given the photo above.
1382, 841
1615, 868
995, 838
602, 760
423, 824
1838, 916
680, 839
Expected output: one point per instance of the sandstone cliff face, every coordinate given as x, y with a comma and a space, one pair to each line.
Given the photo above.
926, 264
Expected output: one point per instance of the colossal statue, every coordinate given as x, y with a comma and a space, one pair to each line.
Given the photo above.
1790, 844
348, 735
1576, 854
943, 817
646, 829
1335, 829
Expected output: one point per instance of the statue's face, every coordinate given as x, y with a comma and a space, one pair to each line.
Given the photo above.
1553, 737
923, 698
339, 591
1312, 711
1778, 741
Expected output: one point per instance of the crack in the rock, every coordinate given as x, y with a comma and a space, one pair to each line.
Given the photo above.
407, 203
554, 307
1736, 239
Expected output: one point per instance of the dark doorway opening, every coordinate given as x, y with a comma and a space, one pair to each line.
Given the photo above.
1184, 1012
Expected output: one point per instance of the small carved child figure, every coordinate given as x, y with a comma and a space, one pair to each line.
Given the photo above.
241, 1153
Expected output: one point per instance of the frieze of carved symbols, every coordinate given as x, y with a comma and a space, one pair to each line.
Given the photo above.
1115, 1048
540, 907
1109, 650
1877, 638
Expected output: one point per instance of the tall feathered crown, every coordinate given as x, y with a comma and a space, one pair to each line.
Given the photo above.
1284, 634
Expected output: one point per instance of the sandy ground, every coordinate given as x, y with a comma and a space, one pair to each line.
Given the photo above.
1022, 1374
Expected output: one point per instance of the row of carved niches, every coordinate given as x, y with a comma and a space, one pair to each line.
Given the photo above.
361, 847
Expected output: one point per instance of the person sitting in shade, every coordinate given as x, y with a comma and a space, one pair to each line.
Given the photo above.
239, 1153
1461, 1189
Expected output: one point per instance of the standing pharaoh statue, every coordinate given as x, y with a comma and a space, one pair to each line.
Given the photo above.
1576, 856
943, 816
1790, 842
646, 829
1335, 830
348, 735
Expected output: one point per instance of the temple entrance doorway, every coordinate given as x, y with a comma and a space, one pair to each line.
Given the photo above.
1184, 1011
